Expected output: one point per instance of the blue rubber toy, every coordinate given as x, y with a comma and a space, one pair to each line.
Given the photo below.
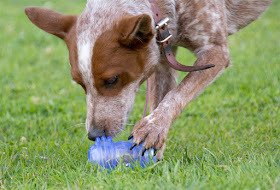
108, 154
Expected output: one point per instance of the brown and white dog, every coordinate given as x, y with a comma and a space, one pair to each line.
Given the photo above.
113, 50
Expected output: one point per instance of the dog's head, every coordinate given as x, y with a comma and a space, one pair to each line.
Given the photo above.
110, 57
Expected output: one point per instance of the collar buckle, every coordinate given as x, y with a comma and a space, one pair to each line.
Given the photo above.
164, 40
164, 22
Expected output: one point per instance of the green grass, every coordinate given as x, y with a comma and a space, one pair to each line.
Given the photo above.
228, 138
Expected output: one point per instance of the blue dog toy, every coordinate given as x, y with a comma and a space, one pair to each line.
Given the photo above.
108, 154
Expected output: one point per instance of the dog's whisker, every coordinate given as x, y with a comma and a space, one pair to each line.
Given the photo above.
141, 90
127, 123
79, 124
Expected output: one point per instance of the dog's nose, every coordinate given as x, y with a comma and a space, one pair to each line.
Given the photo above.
94, 133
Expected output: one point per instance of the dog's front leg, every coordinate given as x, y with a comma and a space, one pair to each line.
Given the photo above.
163, 80
153, 129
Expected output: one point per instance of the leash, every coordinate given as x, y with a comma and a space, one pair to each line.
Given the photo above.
147, 99
164, 39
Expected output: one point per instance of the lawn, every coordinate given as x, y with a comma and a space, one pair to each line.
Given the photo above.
228, 138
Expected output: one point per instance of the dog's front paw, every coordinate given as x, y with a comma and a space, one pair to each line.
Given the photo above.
152, 131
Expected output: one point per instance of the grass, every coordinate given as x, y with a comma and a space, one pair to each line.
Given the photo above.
228, 138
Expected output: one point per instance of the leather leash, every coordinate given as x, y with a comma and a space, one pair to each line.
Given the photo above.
164, 39
147, 100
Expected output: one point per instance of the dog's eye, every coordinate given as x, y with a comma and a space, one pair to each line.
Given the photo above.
111, 82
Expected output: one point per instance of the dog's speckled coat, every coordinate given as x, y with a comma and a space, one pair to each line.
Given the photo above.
112, 50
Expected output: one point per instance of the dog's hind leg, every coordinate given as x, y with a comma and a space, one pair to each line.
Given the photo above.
241, 13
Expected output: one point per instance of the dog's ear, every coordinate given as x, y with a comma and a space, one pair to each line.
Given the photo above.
51, 21
135, 31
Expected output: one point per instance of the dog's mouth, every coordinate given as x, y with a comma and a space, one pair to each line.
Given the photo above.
107, 128
92, 135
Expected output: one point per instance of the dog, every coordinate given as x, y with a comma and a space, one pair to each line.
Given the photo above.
113, 49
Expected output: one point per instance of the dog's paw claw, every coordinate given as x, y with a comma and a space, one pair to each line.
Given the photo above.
133, 145
159, 160
152, 132
143, 151
130, 137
